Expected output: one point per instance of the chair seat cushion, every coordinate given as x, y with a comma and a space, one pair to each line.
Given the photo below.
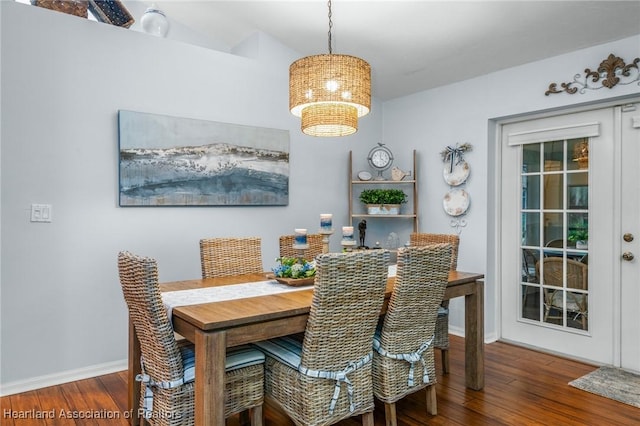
242, 356
239, 357
575, 302
286, 350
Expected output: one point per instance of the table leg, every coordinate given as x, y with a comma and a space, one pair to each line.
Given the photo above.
474, 337
211, 352
133, 370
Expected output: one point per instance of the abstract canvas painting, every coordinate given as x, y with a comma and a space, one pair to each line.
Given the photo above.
172, 161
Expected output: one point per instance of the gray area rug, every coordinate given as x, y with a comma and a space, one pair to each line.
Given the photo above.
612, 383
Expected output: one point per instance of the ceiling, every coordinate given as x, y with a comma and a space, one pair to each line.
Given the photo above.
417, 45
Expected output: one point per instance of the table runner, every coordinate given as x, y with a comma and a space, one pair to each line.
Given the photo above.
196, 296
392, 270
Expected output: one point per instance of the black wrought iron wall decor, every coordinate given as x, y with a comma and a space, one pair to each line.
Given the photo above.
611, 72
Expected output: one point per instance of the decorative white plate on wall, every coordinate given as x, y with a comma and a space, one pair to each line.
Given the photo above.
456, 202
458, 175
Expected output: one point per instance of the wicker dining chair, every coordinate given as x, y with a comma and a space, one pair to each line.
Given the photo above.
315, 246
577, 276
327, 377
403, 358
168, 366
442, 324
221, 257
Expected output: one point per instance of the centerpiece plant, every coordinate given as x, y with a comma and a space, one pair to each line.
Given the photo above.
293, 267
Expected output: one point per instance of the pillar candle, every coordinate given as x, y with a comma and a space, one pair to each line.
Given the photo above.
325, 222
347, 232
300, 236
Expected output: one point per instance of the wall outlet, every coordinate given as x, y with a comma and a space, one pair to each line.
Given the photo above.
41, 212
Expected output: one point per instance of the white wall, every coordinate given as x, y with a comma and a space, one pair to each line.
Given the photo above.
466, 112
63, 81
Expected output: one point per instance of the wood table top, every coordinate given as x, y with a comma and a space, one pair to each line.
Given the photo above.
231, 313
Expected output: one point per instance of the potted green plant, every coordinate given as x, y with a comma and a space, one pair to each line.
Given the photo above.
580, 237
383, 201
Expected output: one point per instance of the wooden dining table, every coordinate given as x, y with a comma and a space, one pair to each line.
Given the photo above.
213, 327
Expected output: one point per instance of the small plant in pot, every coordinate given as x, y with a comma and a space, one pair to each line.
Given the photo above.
580, 237
383, 201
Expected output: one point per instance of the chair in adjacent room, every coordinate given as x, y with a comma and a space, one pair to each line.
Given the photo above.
403, 358
442, 325
315, 247
529, 260
577, 274
327, 377
168, 366
221, 257
557, 243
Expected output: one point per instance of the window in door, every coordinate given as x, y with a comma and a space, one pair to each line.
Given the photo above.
554, 234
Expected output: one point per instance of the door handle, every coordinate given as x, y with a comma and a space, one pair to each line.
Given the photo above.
628, 256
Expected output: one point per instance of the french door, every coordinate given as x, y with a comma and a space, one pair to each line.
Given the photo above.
629, 237
569, 190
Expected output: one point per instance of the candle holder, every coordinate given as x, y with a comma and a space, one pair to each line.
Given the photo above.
301, 248
348, 245
326, 235
301, 251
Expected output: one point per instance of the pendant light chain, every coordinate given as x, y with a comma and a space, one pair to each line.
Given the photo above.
330, 26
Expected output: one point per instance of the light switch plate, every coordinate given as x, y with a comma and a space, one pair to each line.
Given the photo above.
41, 212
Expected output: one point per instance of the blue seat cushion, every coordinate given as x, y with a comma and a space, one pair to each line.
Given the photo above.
285, 349
239, 357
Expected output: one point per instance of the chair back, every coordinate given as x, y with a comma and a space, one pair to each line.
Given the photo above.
347, 299
410, 322
423, 239
557, 243
315, 246
345, 308
577, 273
421, 280
529, 260
139, 281
221, 257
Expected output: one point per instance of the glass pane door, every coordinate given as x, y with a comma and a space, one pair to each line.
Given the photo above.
557, 213
554, 233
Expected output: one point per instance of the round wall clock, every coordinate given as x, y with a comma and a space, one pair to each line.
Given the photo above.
380, 158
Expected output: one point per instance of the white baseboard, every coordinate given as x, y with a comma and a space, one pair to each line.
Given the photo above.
62, 377
488, 338
491, 337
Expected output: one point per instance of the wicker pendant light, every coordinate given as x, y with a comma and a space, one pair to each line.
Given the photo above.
329, 92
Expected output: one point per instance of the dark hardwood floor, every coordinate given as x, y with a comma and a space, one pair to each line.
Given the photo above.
523, 387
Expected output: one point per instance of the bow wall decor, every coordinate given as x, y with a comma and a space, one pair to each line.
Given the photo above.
611, 72
456, 171
453, 154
